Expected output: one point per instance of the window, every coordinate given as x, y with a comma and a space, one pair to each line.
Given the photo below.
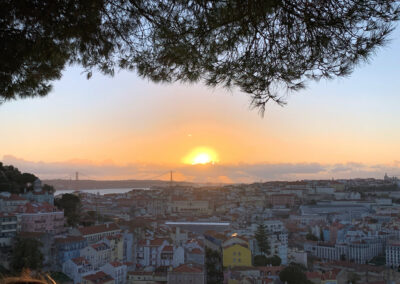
234, 253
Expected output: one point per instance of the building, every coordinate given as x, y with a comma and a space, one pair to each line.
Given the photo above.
148, 252
8, 228
287, 200
145, 277
98, 278
75, 268
187, 273
38, 195
40, 217
68, 247
97, 254
116, 244
237, 254
11, 202
393, 254
117, 270
94, 234
178, 205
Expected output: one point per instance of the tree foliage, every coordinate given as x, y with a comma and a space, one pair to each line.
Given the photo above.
214, 267
294, 274
26, 254
311, 237
262, 260
262, 47
71, 204
12, 180
261, 237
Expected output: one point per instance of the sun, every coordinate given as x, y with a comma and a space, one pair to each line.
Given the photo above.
201, 156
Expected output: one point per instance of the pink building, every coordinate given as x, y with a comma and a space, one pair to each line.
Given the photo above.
40, 217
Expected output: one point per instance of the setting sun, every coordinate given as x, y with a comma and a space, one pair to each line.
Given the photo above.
202, 156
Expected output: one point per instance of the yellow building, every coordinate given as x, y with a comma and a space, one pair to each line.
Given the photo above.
236, 255
116, 243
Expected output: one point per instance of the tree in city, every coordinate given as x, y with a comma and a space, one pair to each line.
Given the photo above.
294, 274
214, 267
71, 204
262, 260
264, 48
261, 237
13, 180
26, 254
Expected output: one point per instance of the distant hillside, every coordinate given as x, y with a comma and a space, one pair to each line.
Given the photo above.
60, 184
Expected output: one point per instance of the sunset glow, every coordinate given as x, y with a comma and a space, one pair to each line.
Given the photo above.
202, 156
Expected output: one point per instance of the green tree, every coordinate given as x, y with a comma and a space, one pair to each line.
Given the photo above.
26, 254
262, 260
71, 204
321, 233
12, 180
294, 274
274, 260
214, 267
311, 237
259, 46
261, 237
48, 188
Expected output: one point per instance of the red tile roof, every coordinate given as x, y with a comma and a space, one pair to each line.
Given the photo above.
68, 239
98, 278
14, 197
97, 229
188, 268
168, 249
116, 263
80, 260
100, 246
196, 251
5, 214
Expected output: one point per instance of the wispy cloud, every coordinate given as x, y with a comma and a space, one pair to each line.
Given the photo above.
202, 173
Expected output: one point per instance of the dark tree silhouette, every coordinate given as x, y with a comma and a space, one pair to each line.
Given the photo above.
294, 274
261, 237
71, 204
262, 47
26, 254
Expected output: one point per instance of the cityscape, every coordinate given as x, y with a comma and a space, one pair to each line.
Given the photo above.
199, 142
308, 231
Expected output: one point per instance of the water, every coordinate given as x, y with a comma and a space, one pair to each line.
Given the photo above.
100, 191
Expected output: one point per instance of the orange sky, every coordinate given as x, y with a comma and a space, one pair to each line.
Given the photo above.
127, 120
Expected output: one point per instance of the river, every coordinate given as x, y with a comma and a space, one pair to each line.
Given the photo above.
100, 191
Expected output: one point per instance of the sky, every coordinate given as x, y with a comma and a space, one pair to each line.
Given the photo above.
126, 127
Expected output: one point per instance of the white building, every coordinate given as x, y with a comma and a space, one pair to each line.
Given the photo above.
97, 254
116, 270
77, 267
393, 254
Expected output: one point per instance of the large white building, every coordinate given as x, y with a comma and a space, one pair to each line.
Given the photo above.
393, 254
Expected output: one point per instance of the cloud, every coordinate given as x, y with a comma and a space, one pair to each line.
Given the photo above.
226, 173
